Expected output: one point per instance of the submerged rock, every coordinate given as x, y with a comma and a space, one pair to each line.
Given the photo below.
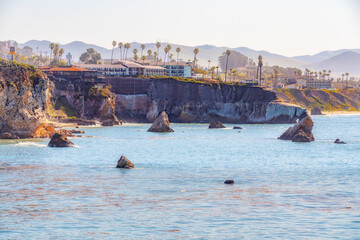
339, 142
123, 162
316, 111
237, 127
300, 132
216, 124
229, 182
161, 124
60, 141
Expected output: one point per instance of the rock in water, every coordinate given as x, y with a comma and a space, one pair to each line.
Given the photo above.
229, 182
59, 141
123, 162
316, 111
300, 132
216, 124
161, 124
237, 127
339, 142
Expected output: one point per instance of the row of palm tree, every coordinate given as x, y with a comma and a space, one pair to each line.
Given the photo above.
168, 56
56, 51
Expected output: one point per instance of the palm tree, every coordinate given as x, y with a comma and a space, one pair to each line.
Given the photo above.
228, 52
158, 45
136, 57
166, 50
120, 45
178, 50
209, 65
52, 46
196, 51
135, 51
142, 49
260, 64
56, 50
112, 52
170, 57
347, 75
149, 53
217, 70
155, 56
126, 47
329, 73
143, 58
61, 52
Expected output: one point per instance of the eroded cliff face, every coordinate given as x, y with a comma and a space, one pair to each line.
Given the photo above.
23, 100
82, 100
193, 102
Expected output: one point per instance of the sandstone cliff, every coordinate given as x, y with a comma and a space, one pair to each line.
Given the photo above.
23, 100
194, 102
81, 100
326, 100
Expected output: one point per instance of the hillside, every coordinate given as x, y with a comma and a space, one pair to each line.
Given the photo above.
345, 62
327, 100
321, 56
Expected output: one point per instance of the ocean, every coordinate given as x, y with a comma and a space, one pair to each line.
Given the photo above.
282, 190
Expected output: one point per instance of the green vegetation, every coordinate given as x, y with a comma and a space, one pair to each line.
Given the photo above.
91, 56
61, 108
100, 92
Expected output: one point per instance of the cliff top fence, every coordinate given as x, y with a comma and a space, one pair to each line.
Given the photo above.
127, 85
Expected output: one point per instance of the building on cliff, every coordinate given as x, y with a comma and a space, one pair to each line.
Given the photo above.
71, 73
128, 68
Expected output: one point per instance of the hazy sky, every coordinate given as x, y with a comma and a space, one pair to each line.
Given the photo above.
287, 27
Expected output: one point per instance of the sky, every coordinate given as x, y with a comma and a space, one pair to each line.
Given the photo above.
290, 28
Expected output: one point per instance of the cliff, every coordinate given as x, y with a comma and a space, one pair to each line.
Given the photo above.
23, 100
187, 102
81, 100
326, 100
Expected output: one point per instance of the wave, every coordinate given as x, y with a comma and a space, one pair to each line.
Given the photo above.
30, 144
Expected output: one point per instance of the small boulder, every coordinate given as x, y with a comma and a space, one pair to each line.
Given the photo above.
237, 127
229, 182
161, 124
216, 124
316, 111
7, 135
77, 131
300, 132
339, 142
60, 141
123, 162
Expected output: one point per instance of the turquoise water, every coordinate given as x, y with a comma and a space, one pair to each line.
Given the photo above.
282, 190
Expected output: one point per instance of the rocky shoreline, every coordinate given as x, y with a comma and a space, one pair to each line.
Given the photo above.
28, 100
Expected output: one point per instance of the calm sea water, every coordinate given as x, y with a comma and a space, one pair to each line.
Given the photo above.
282, 190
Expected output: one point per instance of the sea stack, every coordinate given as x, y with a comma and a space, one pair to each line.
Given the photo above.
60, 141
316, 111
216, 124
300, 132
161, 124
123, 162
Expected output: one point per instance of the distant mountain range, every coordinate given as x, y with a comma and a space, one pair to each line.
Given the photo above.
339, 61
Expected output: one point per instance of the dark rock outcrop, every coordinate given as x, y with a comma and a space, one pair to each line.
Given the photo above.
316, 111
229, 182
339, 142
300, 132
60, 141
188, 102
123, 162
7, 135
161, 124
77, 131
237, 127
216, 124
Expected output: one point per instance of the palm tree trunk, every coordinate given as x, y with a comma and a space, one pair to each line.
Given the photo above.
112, 52
227, 59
